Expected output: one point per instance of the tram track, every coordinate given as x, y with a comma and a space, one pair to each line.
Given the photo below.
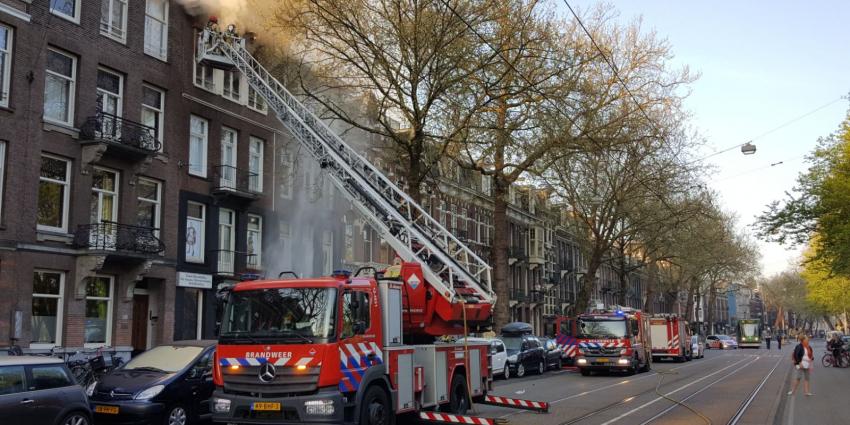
652, 390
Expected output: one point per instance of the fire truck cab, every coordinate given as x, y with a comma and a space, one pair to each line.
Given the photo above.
671, 338
615, 340
331, 350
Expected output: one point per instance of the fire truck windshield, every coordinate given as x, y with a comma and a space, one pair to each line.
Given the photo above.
270, 315
602, 328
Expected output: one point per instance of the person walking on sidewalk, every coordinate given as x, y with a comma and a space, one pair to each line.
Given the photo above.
778, 340
767, 338
803, 357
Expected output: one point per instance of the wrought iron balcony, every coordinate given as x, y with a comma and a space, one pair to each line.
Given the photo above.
123, 136
226, 261
519, 295
120, 239
232, 181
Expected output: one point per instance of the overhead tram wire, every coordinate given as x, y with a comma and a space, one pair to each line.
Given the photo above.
777, 128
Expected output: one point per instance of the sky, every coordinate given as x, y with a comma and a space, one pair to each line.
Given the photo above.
762, 64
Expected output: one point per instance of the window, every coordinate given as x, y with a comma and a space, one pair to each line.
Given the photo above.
368, 249
153, 110
327, 252
104, 200
53, 184
5, 64
232, 82
191, 315
256, 102
255, 164
149, 204
11, 380
48, 377
59, 86
204, 76
113, 19
110, 92
68, 9
47, 292
198, 132
156, 28
227, 170
98, 327
2, 173
226, 240
287, 174
255, 241
355, 313
195, 225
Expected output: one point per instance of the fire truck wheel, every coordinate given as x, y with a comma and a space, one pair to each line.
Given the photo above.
507, 373
376, 408
459, 397
585, 372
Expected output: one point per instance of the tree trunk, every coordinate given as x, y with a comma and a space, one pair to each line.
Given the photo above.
622, 275
414, 169
587, 282
502, 313
709, 313
689, 306
648, 305
828, 322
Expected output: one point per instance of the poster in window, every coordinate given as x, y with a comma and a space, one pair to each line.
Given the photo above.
194, 240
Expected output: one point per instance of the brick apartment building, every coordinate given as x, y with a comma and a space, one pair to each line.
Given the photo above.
134, 184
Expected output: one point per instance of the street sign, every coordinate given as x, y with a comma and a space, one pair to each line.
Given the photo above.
194, 280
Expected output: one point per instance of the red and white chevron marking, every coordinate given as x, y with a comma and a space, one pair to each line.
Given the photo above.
455, 419
515, 402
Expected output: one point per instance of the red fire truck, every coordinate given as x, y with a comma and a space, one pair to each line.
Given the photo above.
353, 349
613, 340
671, 338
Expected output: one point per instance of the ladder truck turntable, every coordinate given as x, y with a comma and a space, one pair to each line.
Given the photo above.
353, 349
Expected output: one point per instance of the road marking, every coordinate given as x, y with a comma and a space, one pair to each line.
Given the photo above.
677, 390
746, 404
605, 387
664, 412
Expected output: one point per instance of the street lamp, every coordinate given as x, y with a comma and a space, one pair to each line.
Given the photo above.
748, 148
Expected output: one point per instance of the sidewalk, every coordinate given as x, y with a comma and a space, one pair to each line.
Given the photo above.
828, 405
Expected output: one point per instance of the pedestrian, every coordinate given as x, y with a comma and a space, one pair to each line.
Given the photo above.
803, 357
767, 338
779, 340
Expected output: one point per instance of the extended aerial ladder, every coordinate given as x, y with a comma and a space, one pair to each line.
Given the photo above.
455, 271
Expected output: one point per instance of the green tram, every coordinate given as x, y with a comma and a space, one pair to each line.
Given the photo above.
749, 333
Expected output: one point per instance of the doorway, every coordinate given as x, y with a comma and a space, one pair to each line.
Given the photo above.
140, 323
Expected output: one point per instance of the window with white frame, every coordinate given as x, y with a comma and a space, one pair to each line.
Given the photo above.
195, 229
53, 188
59, 87
255, 164
226, 241
255, 241
198, 135
204, 76
47, 291
68, 9
156, 28
153, 111
5, 64
286, 174
232, 85
98, 327
2, 174
149, 204
113, 19
110, 91
256, 102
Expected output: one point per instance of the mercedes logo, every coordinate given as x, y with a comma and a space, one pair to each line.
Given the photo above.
267, 372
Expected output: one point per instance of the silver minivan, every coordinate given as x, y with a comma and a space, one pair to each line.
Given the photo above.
40, 390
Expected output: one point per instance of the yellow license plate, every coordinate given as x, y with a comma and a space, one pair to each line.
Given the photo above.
601, 360
265, 406
111, 410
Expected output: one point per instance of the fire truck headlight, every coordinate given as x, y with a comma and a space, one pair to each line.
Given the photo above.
623, 361
221, 405
319, 407
581, 361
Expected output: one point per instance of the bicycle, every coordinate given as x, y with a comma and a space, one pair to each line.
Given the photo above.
91, 369
829, 360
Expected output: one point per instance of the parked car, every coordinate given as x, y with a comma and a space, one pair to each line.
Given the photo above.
169, 384
525, 352
553, 354
40, 390
697, 346
498, 355
721, 342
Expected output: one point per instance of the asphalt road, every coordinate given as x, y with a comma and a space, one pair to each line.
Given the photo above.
744, 386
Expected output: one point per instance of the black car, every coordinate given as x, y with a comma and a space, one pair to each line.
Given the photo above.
169, 384
38, 390
525, 352
553, 354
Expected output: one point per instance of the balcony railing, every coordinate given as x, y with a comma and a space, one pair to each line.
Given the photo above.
226, 264
121, 238
519, 295
109, 128
232, 180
